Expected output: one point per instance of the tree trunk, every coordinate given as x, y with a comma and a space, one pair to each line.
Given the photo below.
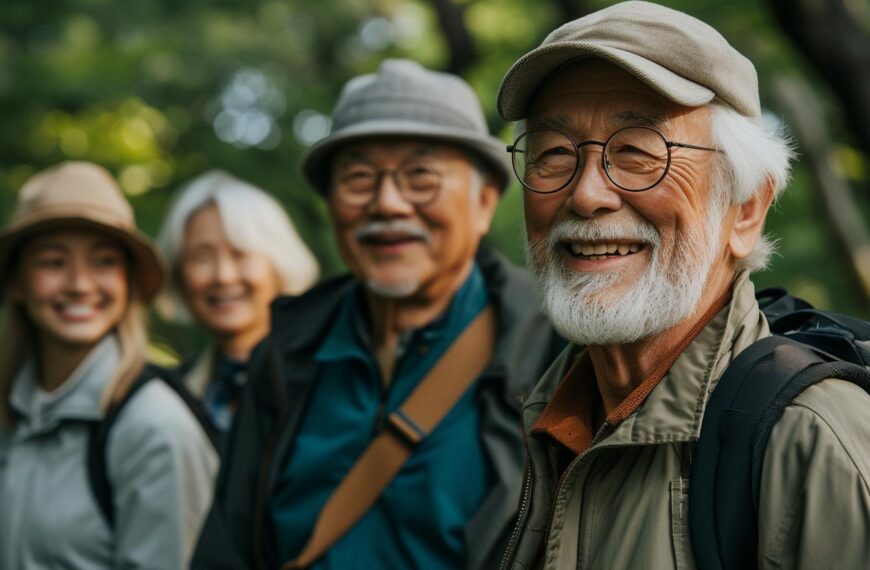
807, 122
460, 43
831, 36
570, 9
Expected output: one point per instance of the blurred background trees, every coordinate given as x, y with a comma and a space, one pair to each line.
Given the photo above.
160, 91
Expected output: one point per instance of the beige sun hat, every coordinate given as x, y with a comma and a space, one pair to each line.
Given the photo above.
675, 54
405, 99
81, 195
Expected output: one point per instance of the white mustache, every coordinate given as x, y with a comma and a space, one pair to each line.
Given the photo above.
596, 229
392, 226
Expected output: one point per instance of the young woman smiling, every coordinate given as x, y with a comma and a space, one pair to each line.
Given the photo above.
232, 250
75, 275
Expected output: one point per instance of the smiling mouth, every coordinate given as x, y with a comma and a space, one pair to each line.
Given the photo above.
602, 250
219, 300
389, 239
77, 311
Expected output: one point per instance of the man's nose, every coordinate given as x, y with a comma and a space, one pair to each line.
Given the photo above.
388, 200
592, 193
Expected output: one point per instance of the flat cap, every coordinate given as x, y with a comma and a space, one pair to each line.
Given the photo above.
676, 55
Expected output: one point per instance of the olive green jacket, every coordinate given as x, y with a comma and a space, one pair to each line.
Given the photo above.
623, 503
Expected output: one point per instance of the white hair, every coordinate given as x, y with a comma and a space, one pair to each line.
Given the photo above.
253, 221
755, 152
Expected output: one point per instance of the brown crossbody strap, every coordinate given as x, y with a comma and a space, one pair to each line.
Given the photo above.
421, 413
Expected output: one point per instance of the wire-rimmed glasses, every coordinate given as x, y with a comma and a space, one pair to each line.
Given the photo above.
634, 158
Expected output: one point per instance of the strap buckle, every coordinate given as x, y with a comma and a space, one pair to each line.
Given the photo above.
406, 429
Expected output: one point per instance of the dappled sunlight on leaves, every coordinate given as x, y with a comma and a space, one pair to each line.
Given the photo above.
158, 92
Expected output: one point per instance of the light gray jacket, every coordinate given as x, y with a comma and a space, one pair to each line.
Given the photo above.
159, 462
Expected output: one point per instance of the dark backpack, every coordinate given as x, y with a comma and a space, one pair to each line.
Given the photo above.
98, 476
807, 346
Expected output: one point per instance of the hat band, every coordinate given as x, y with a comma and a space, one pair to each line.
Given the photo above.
417, 110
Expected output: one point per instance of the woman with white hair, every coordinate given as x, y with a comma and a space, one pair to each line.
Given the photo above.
232, 249
102, 463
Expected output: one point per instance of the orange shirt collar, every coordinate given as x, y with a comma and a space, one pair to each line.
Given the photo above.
569, 417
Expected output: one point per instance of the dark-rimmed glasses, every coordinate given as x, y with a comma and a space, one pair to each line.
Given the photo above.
634, 158
418, 182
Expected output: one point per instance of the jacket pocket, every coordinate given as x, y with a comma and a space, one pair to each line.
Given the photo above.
680, 538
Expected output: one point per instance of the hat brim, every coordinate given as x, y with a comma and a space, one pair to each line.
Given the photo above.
527, 74
316, 162
149, 272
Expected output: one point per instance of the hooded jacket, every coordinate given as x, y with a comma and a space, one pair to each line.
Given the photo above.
623, 503
158, 459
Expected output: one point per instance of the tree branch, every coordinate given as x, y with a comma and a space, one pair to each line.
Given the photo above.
460, 43
834, 42
807, 122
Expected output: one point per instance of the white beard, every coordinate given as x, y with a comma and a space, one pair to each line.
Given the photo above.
393, 290
400, 289
582, 306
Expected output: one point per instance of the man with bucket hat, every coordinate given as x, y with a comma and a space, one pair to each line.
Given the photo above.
379, 428
647, 173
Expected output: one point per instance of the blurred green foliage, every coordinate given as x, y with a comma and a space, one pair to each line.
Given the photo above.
160, 91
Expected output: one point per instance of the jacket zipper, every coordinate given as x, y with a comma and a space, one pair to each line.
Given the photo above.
599, 435
522, 514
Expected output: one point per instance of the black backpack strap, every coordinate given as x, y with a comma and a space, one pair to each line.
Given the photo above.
727, 459
196, 407
98, 475
777, 301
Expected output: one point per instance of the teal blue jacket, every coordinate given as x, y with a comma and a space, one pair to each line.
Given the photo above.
239, 532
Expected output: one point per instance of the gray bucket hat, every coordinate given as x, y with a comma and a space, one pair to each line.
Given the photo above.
677, 55
405, 99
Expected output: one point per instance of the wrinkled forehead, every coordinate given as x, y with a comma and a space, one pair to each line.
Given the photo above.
592, 88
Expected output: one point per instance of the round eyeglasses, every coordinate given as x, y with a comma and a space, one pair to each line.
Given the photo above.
634, 158
417, 183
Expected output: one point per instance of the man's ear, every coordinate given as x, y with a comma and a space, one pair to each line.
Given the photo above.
487, 201
749, 221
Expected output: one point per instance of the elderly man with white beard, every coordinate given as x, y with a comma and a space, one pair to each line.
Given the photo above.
379, 429
648, 172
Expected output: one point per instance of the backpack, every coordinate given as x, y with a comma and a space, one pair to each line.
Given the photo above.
98, 476
807, 346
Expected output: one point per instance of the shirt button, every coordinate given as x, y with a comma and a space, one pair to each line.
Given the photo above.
422, 350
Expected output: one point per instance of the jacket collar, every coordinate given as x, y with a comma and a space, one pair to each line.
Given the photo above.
77, 399
674, 409
299, 324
